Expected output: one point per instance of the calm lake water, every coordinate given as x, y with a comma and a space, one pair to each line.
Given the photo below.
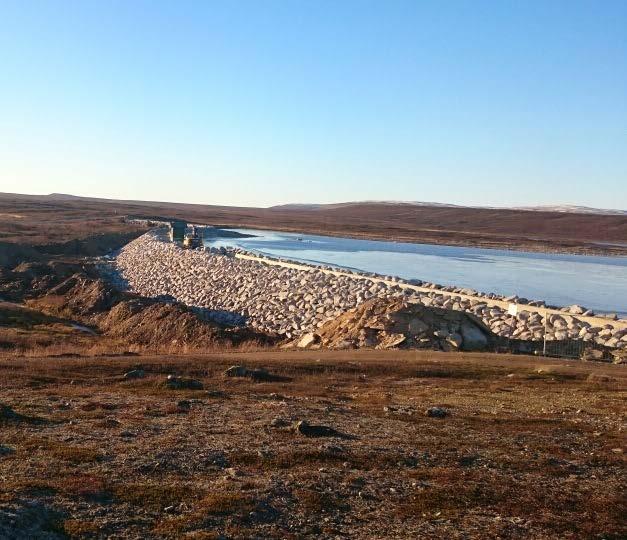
599, 283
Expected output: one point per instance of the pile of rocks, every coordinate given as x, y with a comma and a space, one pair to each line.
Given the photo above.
296, 301
385, 324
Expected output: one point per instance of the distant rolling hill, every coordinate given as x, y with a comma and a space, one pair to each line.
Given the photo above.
310, 206
564, 208
564, 229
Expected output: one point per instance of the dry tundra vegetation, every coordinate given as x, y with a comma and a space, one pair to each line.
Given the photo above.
527, 448
97, 442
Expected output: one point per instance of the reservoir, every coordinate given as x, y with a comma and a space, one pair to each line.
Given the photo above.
598, 283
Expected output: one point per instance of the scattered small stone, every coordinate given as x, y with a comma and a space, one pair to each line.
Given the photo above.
305, 428
180, 383
258, 374
233, 472
6, 450
218, 394
398, 410
358, 482
437, 412
468, 460
332, 449
598, 378
279, 422
184, 404
236, 371
135, 374
7, 413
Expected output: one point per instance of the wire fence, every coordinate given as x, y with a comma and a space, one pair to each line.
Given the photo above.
563, 348
556, 335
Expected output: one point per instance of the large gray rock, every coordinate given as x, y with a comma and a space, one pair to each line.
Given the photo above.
473, 337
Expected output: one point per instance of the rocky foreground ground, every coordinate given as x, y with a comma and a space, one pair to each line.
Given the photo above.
319, 444
293, 302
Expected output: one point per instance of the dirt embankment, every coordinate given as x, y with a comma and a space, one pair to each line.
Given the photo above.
147, 323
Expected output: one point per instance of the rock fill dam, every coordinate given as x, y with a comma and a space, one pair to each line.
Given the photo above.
277, 296
599, 283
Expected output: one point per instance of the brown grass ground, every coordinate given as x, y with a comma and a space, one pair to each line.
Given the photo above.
532, 447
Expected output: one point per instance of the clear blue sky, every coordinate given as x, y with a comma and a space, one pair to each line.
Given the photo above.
265, 102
